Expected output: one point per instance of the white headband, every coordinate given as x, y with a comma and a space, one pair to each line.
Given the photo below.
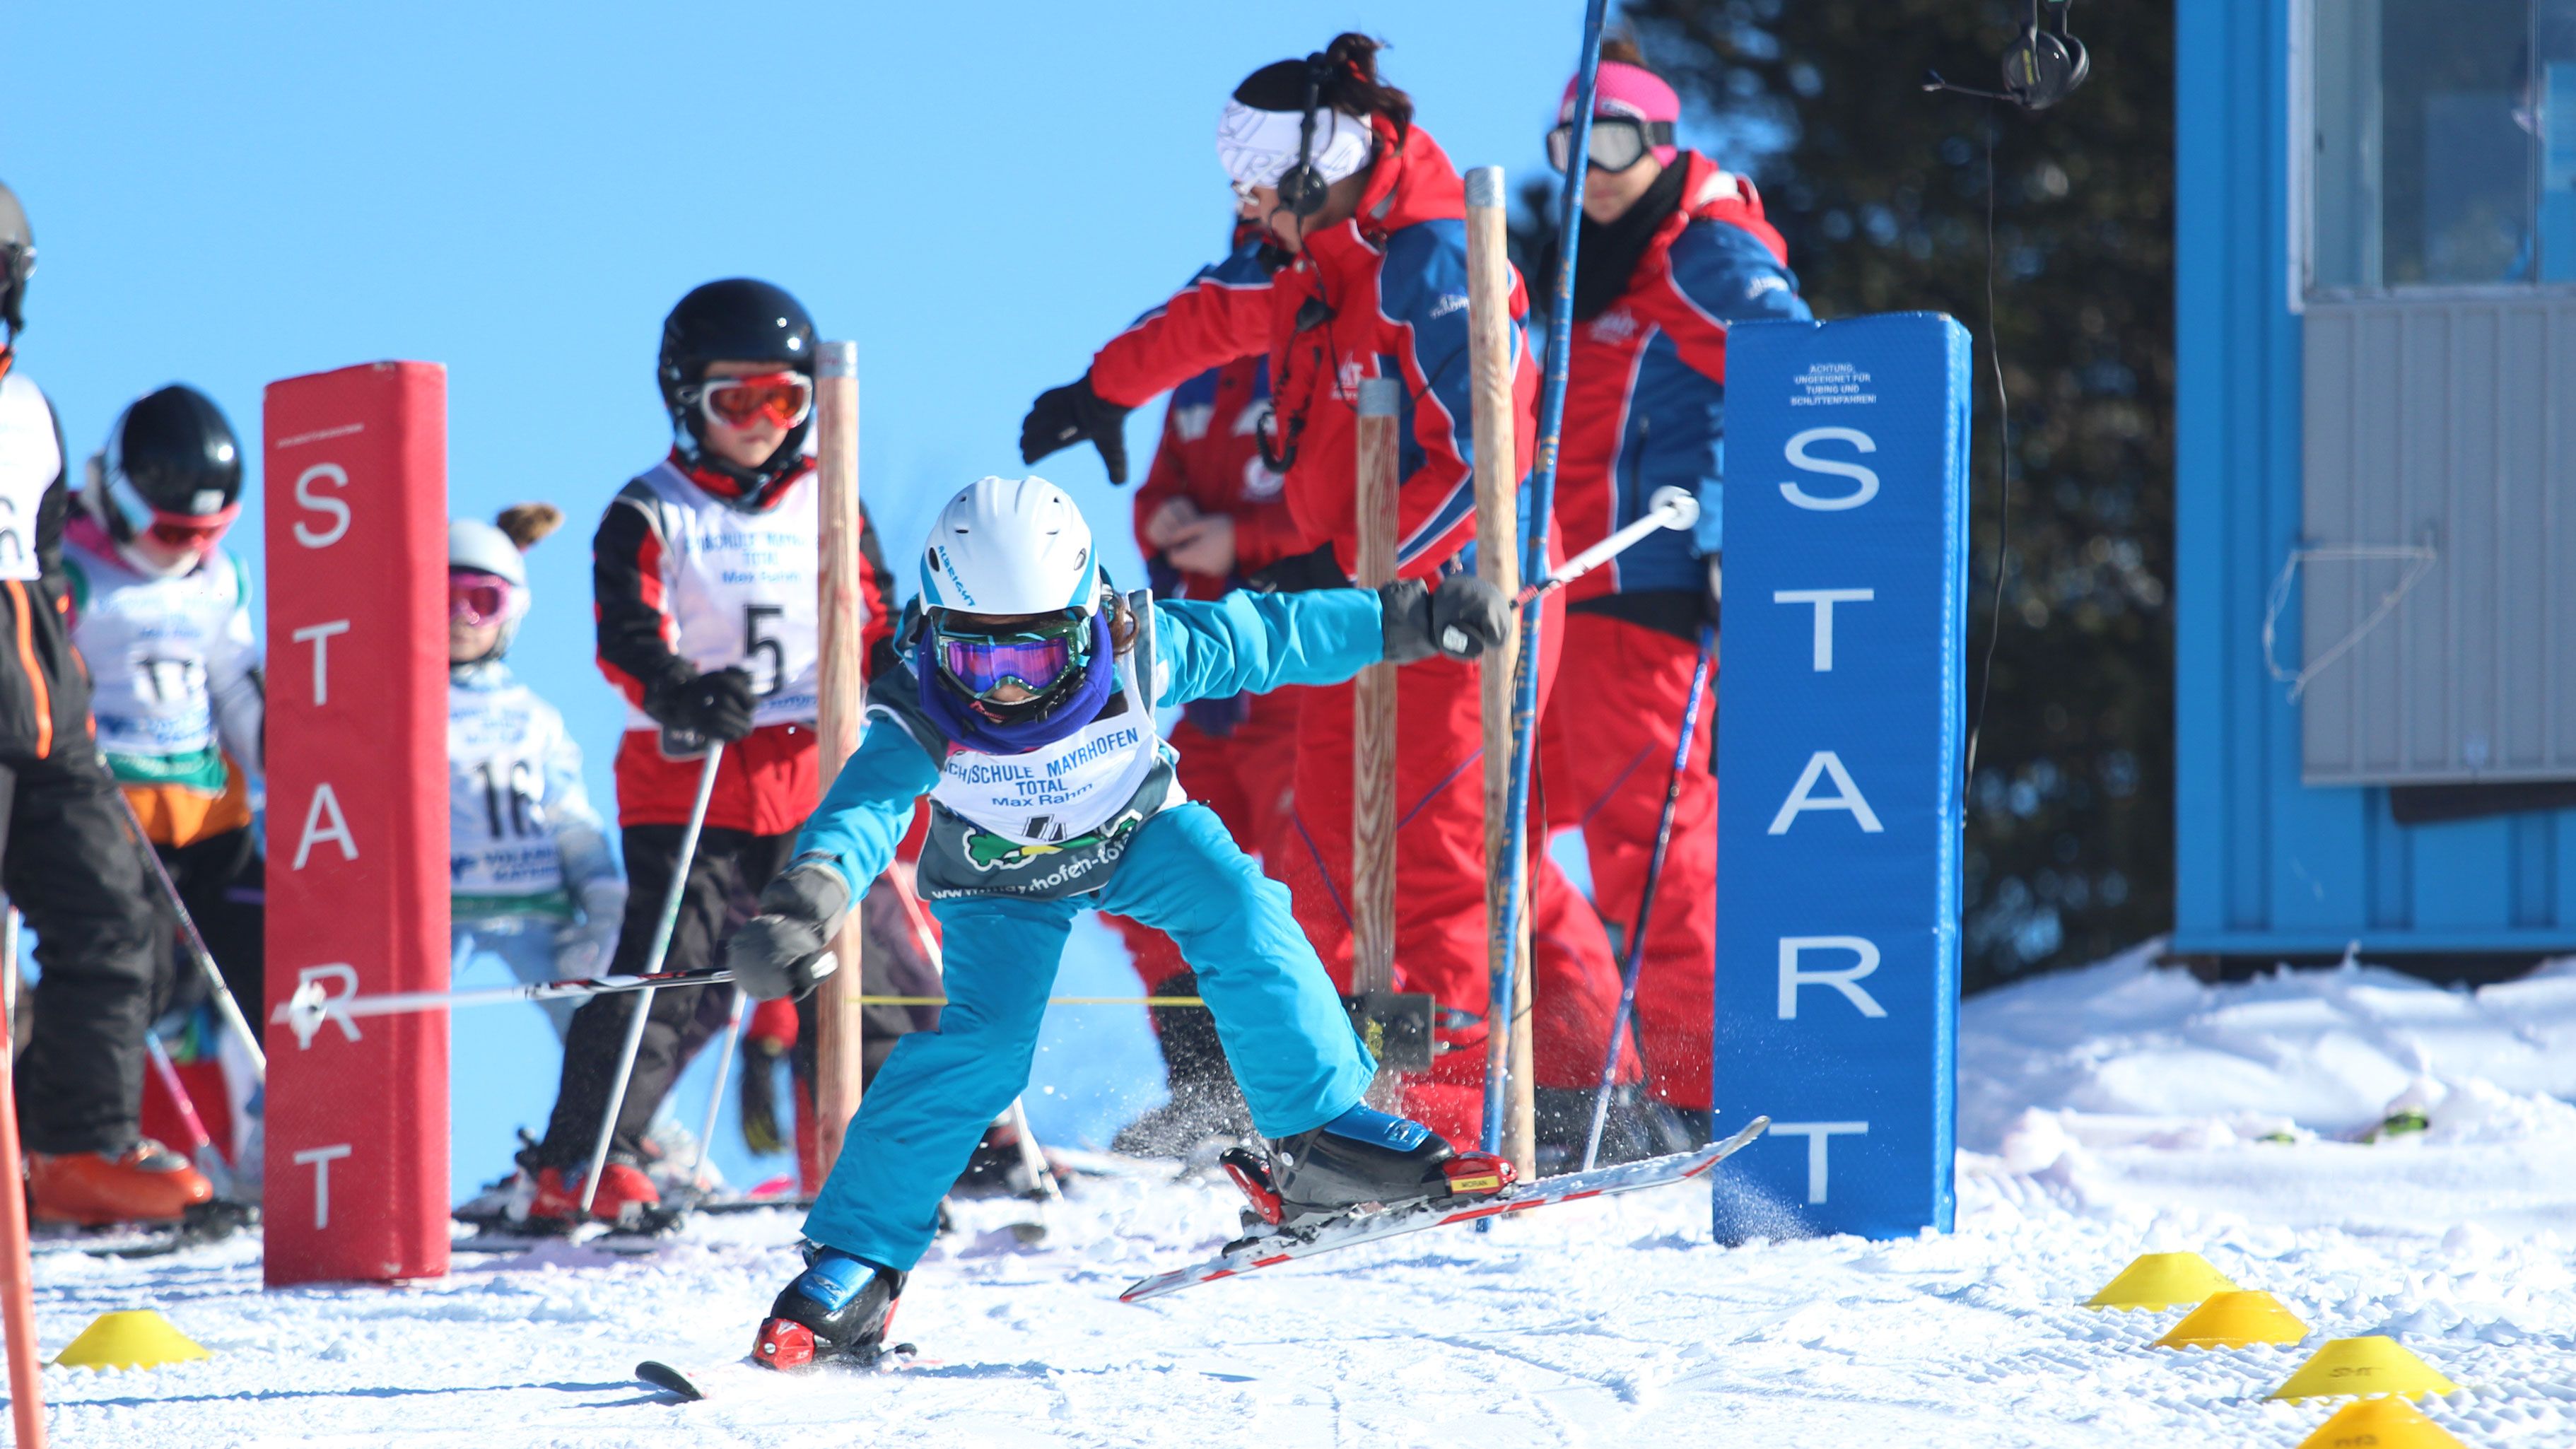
1258, 147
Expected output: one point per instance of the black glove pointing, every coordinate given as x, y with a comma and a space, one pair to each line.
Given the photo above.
717, 705
1064, 416
1462, 618
780, 952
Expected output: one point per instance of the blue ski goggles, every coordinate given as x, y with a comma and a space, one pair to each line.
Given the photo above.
1036, 657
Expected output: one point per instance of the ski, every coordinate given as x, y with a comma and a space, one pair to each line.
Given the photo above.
670, 1380
720, 1206
623, 1245
1369, 1226
690, 1386
496, 1230
204, 1223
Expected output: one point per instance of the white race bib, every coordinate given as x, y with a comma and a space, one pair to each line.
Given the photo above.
741, 586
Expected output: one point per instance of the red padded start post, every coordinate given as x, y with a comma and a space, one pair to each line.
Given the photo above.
356, 483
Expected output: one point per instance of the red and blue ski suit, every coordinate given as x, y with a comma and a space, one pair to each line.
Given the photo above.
1385, 294
1645, 409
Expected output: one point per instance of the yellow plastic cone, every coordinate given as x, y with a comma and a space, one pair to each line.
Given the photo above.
2233, 1320
2373, 1365
140, 1339
2380, 1424
2158, 1281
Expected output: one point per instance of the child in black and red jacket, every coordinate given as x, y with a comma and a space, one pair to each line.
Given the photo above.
704, 576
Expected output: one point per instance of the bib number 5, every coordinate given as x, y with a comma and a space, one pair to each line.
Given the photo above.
764, 657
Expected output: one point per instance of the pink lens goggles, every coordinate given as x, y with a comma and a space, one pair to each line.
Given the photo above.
477, 597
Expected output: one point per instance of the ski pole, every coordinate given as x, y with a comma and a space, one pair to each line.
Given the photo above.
1503, 926
17, 1275
225, 1006
1032, 1157
662, 930
1669, 508
201, 1143
310, 1007
1628, 970
715, 1099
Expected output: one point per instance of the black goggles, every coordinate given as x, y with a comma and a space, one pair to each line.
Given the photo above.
1617, 142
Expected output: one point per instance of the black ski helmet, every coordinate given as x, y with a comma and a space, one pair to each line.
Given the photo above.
17, 259
171, 455
739, 319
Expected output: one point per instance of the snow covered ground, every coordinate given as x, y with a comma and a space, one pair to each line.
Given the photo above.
2105, 1113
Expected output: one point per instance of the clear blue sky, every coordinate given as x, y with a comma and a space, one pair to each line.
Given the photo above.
978, 194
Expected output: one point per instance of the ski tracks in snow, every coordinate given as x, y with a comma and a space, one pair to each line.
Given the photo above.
1613, 1324
1604, 1323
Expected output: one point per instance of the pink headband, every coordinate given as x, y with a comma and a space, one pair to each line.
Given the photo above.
1631, 91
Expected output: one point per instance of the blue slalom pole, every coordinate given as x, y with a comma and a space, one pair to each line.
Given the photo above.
1504, 929
1646, 897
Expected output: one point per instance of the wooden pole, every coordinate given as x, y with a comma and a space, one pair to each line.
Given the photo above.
1373, 728
843, 695
17, 1271
1491, 337
1373, 705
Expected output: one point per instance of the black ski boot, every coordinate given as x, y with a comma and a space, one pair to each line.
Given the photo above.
1360, 1158
837, 1310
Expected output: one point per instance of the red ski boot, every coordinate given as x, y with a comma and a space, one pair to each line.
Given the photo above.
626, 1197
146, 1183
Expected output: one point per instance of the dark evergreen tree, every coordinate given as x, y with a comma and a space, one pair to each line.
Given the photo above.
1883, 192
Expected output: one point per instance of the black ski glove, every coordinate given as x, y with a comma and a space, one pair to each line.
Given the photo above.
716, 705
1314, 569
779, 952
1064, 416
1462, 618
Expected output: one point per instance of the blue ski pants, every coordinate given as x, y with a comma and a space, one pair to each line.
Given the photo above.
1284, 1030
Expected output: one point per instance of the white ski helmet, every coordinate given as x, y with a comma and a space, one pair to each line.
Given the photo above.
474, 544
1011, 546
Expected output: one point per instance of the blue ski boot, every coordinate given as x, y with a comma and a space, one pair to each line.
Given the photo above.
837, 1310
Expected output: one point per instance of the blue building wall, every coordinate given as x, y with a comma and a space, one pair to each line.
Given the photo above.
2264, 864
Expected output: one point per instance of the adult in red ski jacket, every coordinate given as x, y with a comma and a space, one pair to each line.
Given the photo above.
1673, 250
1377, 287
704, 580
1209, 516
1212, 511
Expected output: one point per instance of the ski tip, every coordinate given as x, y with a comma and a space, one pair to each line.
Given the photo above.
1154, 1287
669, 1380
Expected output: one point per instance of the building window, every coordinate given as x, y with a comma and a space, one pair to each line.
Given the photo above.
2444, 145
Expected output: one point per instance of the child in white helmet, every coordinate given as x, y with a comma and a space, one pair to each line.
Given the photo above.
1027, 715
530, 878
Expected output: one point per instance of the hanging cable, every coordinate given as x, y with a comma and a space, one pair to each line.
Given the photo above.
2003, 478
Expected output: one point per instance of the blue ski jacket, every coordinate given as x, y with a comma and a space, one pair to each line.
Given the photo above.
1194, 649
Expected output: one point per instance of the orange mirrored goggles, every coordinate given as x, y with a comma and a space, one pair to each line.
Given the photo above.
738, 402
198, 531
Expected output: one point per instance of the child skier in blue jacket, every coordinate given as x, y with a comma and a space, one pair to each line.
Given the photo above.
1027, 715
